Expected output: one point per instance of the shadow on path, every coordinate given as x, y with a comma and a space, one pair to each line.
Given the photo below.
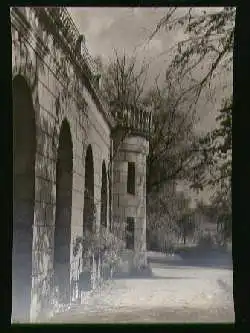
196, 257
152, 277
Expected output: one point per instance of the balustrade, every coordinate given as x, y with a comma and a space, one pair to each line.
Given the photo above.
137, 120
67, 29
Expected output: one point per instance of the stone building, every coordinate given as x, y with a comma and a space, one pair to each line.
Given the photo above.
76, 167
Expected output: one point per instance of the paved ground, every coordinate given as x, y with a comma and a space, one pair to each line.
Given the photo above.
179, 291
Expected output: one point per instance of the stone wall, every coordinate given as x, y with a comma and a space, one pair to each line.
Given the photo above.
58, 94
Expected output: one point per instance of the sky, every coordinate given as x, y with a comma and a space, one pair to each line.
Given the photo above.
128, 29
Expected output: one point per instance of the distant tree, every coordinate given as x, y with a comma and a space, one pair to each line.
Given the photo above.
222, 202
207, 210
186, 222
166, 212
162, 214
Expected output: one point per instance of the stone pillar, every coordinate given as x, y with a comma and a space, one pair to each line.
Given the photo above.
126, 205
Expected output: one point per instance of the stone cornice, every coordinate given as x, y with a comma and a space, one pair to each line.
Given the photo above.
68, 35
137, 122
58, 22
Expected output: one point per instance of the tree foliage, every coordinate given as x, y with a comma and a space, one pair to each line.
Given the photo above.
172, 140
206, 48
123, 81
199, 60
166, 212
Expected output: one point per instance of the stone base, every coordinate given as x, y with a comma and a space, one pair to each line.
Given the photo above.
140, 259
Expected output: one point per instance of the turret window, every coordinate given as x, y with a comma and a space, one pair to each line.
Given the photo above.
131, 178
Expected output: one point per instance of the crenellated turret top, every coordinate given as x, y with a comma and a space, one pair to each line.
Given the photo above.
137, 120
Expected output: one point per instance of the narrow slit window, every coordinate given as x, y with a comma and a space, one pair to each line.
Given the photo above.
130, 228
131, 178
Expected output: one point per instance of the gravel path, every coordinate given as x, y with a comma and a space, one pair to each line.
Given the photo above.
175, 293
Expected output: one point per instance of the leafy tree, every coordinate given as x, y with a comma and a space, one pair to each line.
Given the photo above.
172, 140
216, 152
199, 60
206, 48
217, 148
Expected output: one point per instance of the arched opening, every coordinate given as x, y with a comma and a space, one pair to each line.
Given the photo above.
104, 200
24, 150
62, 236
89, 204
